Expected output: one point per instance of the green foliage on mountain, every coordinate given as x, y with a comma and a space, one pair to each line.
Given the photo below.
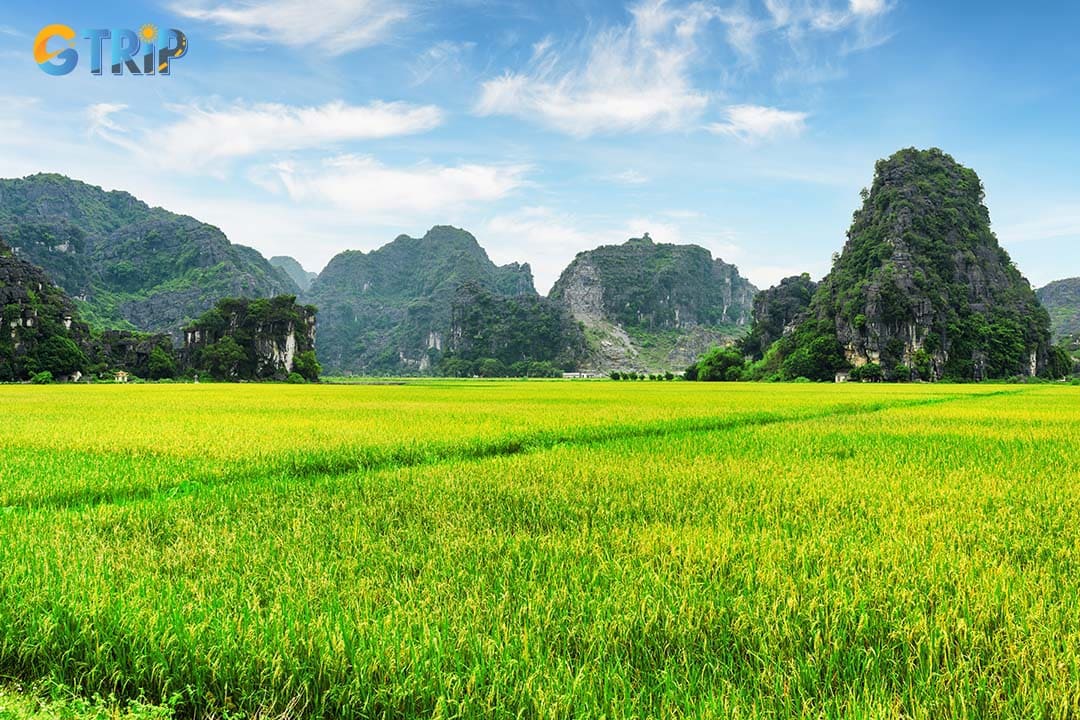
1062, 300
40, 330
388, 311
922, 286
653, 306
656, 285
128, 265
295, 271
265, 338
525, 335
776, 311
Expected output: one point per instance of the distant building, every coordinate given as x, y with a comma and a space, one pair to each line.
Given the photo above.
122, 377
843, 377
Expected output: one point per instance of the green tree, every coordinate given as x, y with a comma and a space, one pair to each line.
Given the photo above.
720, 365
223, 357
60, 356
871, 372
161, 364
1060, 364
307, 366
490, 367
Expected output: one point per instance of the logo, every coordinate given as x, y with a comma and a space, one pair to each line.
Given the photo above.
146, 52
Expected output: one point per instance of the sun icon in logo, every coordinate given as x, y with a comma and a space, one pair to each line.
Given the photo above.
148, 33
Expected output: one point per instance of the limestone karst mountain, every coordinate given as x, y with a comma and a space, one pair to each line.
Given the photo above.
654, 306
1062, 300
126, 264
922, 286
296, 272
389, 310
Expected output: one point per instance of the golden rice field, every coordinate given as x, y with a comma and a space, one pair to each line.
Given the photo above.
544, 549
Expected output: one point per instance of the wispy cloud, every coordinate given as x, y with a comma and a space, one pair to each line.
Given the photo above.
335, 27
752, 123
443, 59
1054, 223
628, 78
629, 177
205, 136
10, 31
362, 184
859, 19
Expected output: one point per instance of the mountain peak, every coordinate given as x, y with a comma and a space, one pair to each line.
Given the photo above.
922, 284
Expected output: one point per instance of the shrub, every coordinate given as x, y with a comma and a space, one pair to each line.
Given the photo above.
307, 365
42, 378
295, 379
161, 364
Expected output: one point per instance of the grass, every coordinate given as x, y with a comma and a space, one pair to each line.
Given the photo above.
546, 549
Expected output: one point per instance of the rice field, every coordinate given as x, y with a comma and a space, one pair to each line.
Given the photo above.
545, 549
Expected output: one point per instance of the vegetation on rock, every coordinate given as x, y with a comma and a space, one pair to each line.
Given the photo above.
295, 271
388, 311
243, 339
653, 304
128, 265
776, 313
40, 330
1062, 300
525, 335
922, 288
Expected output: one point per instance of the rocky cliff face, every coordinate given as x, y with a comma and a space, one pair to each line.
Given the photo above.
252, 339
1062, 300
513, 329
777, 312
40, 328
923, 283
126, 264
389, 310
652, 306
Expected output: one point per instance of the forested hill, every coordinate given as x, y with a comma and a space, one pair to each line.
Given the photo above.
125, 263
296, 272
1062, 300
921, 288
390, 310
654, 305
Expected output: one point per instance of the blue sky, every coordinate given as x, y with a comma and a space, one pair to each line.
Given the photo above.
307, 127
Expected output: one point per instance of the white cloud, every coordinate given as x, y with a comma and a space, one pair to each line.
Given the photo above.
335, 27
10, 31
364, 185
632, 78
1053, 223
444, 59
752, 123
551, 238
629, 177
547, 239
868, 7
206, 136
860, 19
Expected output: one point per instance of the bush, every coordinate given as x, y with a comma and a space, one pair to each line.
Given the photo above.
307, 365
42, 378
721, 364
61, 356
295, 379
615, 375
161, 365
